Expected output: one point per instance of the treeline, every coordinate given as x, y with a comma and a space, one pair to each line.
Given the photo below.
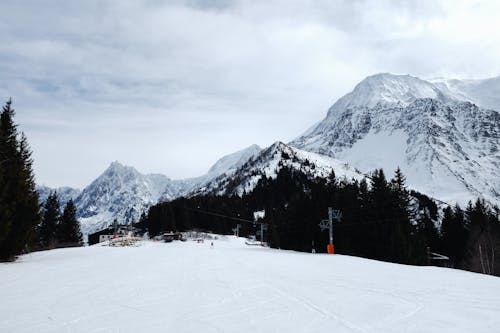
381, 219
471, 238
21, 227
56, 229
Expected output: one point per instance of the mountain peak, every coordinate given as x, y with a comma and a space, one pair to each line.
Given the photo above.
441, 141
117, 167
387, 90
278, 145
234, 160
267, 164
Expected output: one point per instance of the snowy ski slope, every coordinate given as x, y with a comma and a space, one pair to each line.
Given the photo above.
191, 287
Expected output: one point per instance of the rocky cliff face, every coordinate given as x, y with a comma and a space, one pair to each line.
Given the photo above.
447, 147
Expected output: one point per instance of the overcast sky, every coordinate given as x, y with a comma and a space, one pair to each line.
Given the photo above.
171, 86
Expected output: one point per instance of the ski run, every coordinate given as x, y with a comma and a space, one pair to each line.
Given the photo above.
232, 287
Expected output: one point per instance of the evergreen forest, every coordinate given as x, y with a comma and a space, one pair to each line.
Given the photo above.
381, 219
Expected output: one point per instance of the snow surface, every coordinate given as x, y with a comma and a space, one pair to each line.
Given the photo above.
191, 287
437, 182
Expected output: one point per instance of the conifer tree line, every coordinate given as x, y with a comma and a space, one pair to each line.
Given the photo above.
382, 219
58, 229
20, 215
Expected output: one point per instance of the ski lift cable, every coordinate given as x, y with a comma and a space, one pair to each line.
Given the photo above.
437, 256
225, 216
341, 224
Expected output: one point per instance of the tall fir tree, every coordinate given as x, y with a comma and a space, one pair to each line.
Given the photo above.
454, 234
68, 229
19, 208
483, 242
398, 186
379, 215
50, 220
401, 226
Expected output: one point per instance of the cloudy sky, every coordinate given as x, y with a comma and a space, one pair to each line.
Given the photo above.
171, 86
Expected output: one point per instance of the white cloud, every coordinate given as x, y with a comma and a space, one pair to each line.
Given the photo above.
170, 87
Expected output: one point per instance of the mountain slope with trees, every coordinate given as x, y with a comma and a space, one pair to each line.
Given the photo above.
381, 220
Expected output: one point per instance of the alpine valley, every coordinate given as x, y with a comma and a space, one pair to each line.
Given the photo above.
443, 134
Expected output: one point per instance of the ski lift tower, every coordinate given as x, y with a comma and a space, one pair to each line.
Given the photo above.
257, 216
236, 230
333, 214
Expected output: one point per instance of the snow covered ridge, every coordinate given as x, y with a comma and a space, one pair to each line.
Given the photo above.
63, 193
123, 193
269, 162
447, 146
481, 92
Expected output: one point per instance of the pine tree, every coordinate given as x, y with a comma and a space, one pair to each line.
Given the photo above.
447, 231
8, 152
68, 230
401, 225
50, 220
332, 179
483, 244
380, 208
454, 234
398, 186
19, 209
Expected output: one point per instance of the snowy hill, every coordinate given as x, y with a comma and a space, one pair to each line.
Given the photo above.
268, 162
191, 287
448, 148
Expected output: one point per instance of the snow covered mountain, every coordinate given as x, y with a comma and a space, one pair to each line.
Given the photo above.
231, 162
63, 193
123, 193
446, 145
226, 165
484, 93
442, 133
268, 162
